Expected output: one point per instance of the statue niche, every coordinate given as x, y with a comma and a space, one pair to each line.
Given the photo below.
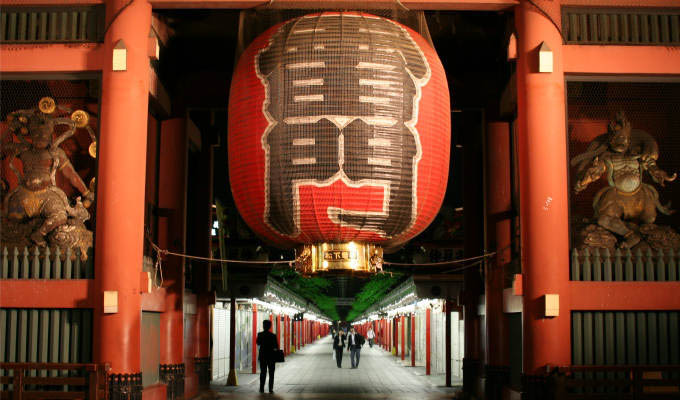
626, 209
37, 211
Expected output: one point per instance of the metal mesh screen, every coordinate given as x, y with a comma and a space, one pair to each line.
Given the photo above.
653, 107
70, 94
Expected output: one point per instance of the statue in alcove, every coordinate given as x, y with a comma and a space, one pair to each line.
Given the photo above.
626, 209
37, 211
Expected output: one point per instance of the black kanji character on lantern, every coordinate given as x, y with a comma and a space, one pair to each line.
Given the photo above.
342, 100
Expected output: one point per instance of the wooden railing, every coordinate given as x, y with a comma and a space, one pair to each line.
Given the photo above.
624, 265
33, 381
52, 24
616, 382
45, 263
618, 26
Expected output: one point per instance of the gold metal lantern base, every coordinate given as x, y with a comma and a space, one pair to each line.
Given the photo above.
340, 258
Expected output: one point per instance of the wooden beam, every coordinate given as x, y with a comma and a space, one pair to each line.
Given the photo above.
154, 301
615, 60
50, 57
613, 296
41, 293
477, 5
620, 3
160, 29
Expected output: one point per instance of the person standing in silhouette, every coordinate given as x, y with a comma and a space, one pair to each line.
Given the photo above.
338, 346
267, 342
354, 343
370, 335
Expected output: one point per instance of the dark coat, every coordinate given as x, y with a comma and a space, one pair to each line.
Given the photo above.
358, 341
339, 342
267, 342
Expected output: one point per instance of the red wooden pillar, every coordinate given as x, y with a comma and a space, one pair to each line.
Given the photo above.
286, 348
427, 341
121, 187
413, 340
278, 330
498, 238
382, 333
386, 334
254, 338
172, 188
543, 188
403, 337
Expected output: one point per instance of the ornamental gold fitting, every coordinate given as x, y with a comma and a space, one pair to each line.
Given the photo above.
339, 258
81, 118
47, 105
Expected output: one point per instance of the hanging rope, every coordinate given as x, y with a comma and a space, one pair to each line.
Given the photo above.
162, 252
452, 262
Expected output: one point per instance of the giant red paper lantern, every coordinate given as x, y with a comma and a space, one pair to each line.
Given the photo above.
339, 131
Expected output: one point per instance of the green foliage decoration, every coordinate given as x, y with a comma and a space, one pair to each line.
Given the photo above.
313, 289
376, 288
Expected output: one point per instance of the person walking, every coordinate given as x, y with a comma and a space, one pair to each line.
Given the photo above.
338, 346
354, 343
267, 342
370, 335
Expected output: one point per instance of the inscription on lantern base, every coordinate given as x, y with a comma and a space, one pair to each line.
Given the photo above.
351, 258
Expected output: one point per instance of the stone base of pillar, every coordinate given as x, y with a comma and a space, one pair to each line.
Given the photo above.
203, 370
232, 379
173, 376
125, 386
471, 369
537, 387
496, 376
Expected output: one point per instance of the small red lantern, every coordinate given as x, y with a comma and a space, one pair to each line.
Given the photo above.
339, 133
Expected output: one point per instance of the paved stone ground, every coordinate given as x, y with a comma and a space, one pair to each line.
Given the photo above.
311, 373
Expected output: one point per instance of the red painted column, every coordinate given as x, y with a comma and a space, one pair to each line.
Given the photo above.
285, 335
543, 188
403, 337
498, 238
383, 333
254, 338
278, 330
120, 192
427, 342
172, 189
413, 340
202, 335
